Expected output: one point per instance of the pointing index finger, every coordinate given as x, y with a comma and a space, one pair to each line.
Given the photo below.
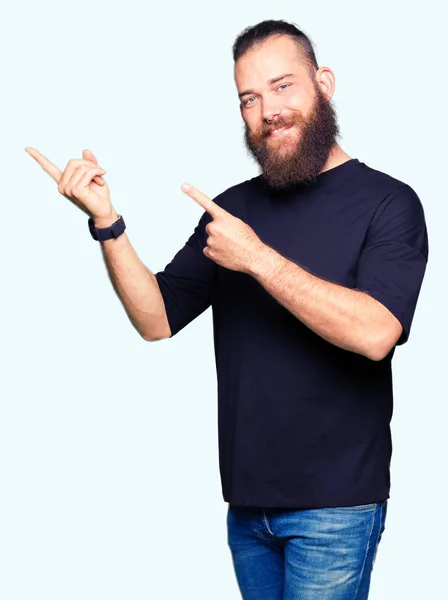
46, 164
211, 207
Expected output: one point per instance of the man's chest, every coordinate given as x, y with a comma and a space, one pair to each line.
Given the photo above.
325, 236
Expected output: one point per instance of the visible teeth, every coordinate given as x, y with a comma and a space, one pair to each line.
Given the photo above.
277, 130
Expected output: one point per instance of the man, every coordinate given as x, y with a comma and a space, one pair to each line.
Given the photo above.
313, 270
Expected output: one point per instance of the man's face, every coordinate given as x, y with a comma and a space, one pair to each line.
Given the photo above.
297, 102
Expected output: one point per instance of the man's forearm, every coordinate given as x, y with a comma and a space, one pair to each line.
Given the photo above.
135, 285
345, 317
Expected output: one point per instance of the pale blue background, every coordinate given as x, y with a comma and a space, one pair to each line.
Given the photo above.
108, 444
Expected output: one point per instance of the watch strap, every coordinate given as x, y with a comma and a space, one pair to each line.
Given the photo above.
101, 234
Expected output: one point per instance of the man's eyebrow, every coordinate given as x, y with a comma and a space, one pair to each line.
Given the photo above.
271, 82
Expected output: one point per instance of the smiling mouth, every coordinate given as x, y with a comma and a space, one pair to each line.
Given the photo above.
276, 132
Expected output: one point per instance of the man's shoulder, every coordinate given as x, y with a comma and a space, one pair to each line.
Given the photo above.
386, 190
397, 207
377, 180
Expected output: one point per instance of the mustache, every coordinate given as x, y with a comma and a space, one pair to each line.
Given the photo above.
278, 125
266, 129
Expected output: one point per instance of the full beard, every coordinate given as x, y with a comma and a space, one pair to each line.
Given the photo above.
284, 165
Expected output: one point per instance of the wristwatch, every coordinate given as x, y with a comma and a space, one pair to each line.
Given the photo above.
106, 233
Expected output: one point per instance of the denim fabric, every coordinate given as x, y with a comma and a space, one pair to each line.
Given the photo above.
305, 554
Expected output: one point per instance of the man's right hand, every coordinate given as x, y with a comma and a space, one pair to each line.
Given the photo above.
82, 183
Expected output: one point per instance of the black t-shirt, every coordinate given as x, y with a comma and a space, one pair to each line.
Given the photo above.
302, 422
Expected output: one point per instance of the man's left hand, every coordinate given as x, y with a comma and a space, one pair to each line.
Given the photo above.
231, 243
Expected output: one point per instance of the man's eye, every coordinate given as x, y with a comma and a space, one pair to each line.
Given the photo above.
246, 102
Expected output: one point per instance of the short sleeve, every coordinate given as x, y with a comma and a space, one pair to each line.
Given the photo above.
186, 283
394, 256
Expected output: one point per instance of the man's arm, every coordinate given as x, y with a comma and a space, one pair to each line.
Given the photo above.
135, 285
377, 315
348, 318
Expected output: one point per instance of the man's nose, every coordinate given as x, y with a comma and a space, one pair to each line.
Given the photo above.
271, 112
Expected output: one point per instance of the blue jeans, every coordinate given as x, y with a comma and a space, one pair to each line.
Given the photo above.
305, 554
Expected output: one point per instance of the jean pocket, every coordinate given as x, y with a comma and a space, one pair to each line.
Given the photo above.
358, 507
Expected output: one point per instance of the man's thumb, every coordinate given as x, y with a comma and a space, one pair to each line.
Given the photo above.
88, 155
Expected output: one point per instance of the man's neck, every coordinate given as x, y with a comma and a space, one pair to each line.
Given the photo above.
336, 157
